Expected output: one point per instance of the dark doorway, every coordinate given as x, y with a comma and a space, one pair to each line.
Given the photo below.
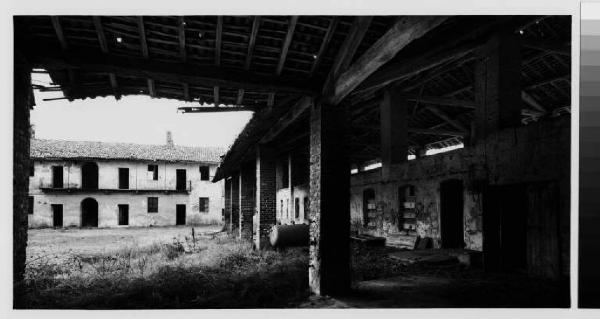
181, 180
505, 227
89, 176
123, 214
123, 178
89, 213
57, 215
57, 176
180, 218
451, 204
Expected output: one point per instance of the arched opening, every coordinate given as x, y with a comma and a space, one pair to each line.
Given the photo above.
451, 204
89, 212
89, 175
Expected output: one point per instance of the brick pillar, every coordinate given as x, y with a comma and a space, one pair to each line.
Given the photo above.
228, 204
235, 203
497, 85
329, 264
265, 194
23, 101
394, 132
247, 203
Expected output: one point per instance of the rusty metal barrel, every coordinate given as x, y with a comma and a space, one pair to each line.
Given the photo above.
289, 235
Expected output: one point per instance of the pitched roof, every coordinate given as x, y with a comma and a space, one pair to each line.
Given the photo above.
56, 149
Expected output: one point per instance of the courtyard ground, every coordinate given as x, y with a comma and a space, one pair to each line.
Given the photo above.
169, 267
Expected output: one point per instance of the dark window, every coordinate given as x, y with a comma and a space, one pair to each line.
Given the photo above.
203, 205
123, 214
306, 207
89, 176
152, 204
57, 176
123, 178
181, 179
297, 207
154, 169
30, 206
31, 170
204, 173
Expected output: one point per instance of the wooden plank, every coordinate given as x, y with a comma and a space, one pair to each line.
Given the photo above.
192, 74
403, 32
347, 50
287, 119
142, 33
218, 40
100, 33
252, 42
59, 33
326, 39
286, 44
181, 38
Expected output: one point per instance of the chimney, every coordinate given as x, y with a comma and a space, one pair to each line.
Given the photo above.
170, 139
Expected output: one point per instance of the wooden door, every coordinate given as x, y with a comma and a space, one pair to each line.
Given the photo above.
180, 212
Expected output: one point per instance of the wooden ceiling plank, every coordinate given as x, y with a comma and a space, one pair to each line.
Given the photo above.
143, 42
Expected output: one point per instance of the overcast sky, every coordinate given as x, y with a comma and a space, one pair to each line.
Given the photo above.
132, 119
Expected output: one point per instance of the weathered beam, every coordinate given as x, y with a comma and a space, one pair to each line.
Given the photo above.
142, 33
403, 32
181, 38
252, 42
347, 50
210, 109
218, 40
442, 115
104, 47
442, 101
216, 95
435, 132
186, 92
192, 74
286, 44
324, 44
59, 32
531, 101
151, 88
560, 48
287, 119
240, 96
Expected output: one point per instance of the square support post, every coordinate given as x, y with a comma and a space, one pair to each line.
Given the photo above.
394, 130
497, 85
329, 263
228, 204
265, 194
247, 203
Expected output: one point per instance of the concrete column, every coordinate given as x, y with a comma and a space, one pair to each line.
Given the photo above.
497, 85
265, 194
247, 203
394, 130
23, 101
228, 204
235, 203
329, 263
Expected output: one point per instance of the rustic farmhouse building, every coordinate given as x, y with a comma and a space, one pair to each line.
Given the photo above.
95, 184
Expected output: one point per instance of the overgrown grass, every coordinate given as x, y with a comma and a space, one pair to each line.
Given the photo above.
186, 273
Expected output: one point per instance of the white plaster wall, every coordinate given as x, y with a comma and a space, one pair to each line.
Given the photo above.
287, 215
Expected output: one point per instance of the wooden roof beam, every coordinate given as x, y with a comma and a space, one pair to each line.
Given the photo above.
251, 44
59, 33
181, 38
104, 47
403, 32
326, 39
210, 109
347, 50
435, 100
287, 119
218, 40
216, 95
193, 74
145, 52
286, 44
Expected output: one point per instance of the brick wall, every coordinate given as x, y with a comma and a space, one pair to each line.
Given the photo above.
23, 100
265, 194
235, 203
247, 202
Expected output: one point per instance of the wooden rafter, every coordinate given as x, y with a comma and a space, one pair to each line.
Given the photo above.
218, 44
324, 44
104, 47
59, 33
251, 44
286, 44
207, 76
403, 32
145, 52
182, 52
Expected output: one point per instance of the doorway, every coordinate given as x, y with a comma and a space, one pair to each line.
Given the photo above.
451, 211
123, 214
180, 179
180, 218
89, 175
505, 227
57, 215
89, 213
